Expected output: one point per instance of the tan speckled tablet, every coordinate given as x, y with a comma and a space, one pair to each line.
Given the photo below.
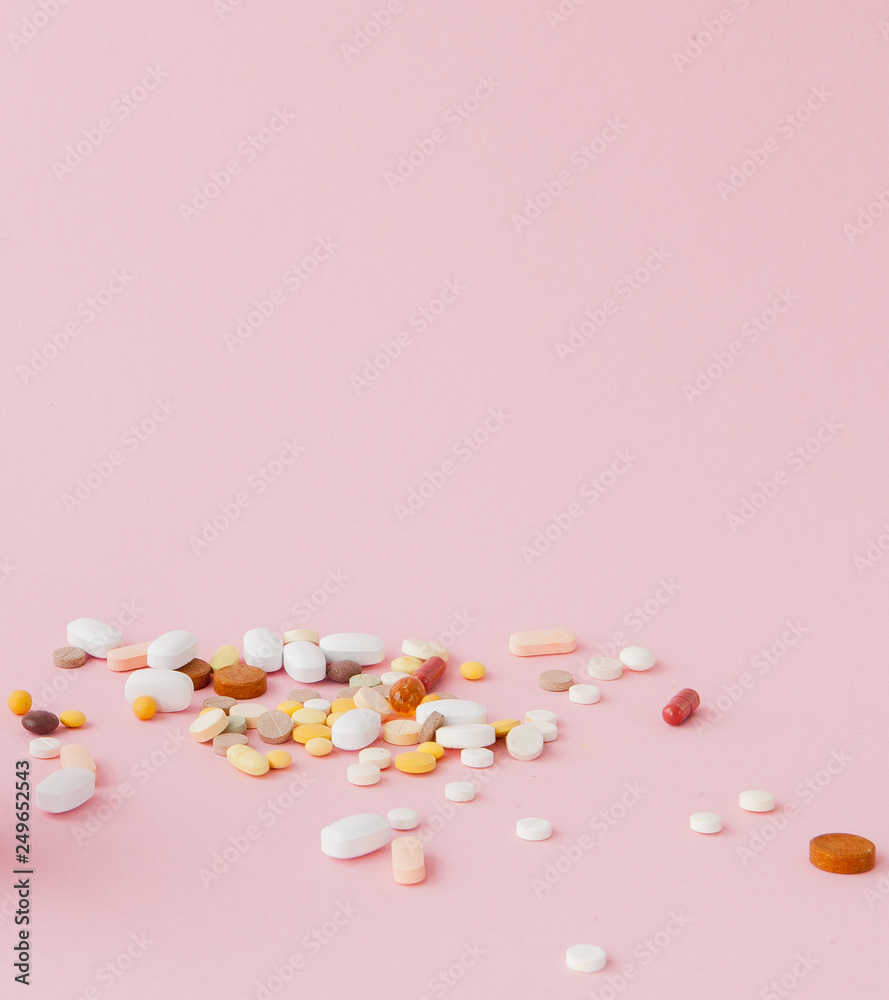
216, 701
542, 642
427, 730
401, 732
240, 681
222, 742
556, 680
302, 695
342, 670
366, 697
274, 727
346, 692
199, 672
68, 657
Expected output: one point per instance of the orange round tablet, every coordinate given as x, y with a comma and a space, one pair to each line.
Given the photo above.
843, 853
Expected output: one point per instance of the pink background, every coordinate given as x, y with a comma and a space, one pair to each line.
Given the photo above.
685, 122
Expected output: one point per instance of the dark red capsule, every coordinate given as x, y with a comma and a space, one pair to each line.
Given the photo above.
680, 706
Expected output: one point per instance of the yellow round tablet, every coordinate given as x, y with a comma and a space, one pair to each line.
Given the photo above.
342, 705
19, 702
318, 746
302, 734
406, 664
144, 707
473, 670
290, 707
415, 762
309, 717
436, 749
72, 719
431, 697
329, 721
279, 759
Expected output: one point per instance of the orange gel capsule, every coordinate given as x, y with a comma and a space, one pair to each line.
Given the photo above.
407, 692
680, 706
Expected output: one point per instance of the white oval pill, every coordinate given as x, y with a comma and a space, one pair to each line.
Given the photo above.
469, 735
539, 715
356, 730
636, 658
172, 691
476, 757
704, 822
94, 637
423, 649
305, 662
362, 647
376, 755
583, 694
403, 819
45, 748
534, 828
362, 774
65, 789
756, 801
605, 668
549, 729
172, 650
459, 791
264, 648
585, 958
456, 711
524, 743
355, 836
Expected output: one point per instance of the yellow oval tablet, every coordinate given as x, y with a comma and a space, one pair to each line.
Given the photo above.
436, 749
309, 716
225, 656
318, 746
342, 705
473, 670
204, 711
19, 702
247, 759
503, 726
415, 762
406, 664
144, 707
329, 721
72, 718
290, 707
278, 759
431, 697
302, 734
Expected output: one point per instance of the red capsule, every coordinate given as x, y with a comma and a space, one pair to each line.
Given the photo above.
680, 706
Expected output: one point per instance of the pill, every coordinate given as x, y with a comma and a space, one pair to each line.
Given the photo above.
319, 746
356, 730
680, 706
322, 704
405, 695
605, 668
309, 717
472, 670
76, 755
376, 755
363, 774
476, 757
391, 676
401, 732
19, 702
539, 715
65, 789
198, 671
542, 642
329, 721
842, 853
369, 698
705, 822
236, 724
172, 650
144, 707
72, 719
40, 722
263, 648
224, 740
217, 701
345, 692
304, 662
534, 828
274, 727
364, 680
524, 743
209, 724
302, 734
342, 704
456, 711
756, 801
423, 649
247, 759
364, 648
415, 762
250, 711
444, 695
132, 657
203, 711
289, 706
583, 694
585, 958
429, 726
408, 864
225, 656
503, 726
45, 748
278, 759
436, 749
549, 729
68, 657
430, 697
340, 671
403, 819
465, 735
93, 637
459, 791
407, 664
302, 695
301, 635
354, 836
555, 680
240, 681
636, 658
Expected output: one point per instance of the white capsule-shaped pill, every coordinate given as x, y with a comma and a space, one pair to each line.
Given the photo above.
583, 694
585, 958
476, 757
65, 789
459, 791
534, 828
171, 691
362, 647
636, 658
172, 650
355, 836
94, 637
756, 801
456, 711
539, 715
356, 730
605, 668
457, 737
264, 648
403, 819
423, 649
305, 662
705, 822
45, 748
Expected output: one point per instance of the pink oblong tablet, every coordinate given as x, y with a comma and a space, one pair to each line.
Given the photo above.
128, 657
542, 642
408, 862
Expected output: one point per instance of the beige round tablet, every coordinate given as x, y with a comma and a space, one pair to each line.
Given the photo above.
319, 746
218, 701
375, 755
274, 727
556, 680
249, 711
223, 741
309, 717
524, 742
301, 635
364, 680
368, 697
302, 695
401, 732
363, 774
208, 725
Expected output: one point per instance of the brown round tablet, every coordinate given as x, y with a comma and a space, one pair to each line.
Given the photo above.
341, 670
217, 702
40, 722
199, 671
427, 730
301, 694
240, 681
274, 727
348, 692
843, 853
556, 680
222, 742
68, 657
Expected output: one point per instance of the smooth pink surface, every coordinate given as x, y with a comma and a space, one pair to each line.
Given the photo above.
622, 441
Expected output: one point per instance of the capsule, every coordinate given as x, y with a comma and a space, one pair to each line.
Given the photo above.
406, 693
680, 706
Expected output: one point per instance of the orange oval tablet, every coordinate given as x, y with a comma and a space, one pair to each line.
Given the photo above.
843, 853
310, 731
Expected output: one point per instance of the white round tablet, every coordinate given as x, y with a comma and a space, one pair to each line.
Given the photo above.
605, 668
539, 715
549, 729
477, 757
756, 801
583, 694
45, 748
585, 958
322, 704
375, 755
524, 743
391, 676
459, 791
534, 828
363, 774
704, 822
636, 658
403, 819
